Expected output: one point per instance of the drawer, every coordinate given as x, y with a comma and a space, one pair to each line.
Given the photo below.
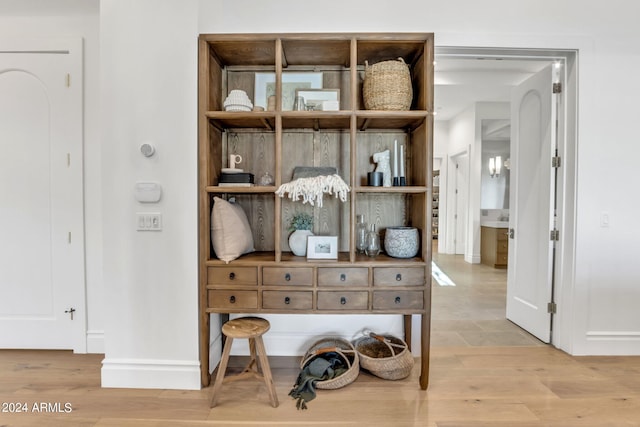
398, 300
232, 276
232, 300
502, 234
294, 300
297, 276
334, 300
398, 276
343, 276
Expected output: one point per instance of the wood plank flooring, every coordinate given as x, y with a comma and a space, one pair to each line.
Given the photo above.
474, 383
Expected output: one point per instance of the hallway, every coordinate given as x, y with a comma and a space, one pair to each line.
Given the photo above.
472, 313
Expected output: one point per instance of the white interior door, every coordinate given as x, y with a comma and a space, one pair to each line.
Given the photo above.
529, 277
461, 198
42, 303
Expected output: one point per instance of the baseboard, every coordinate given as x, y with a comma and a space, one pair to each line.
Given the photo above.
606, 343
95, 342
149, 373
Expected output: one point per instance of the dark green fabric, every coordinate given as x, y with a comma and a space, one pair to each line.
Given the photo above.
321, 368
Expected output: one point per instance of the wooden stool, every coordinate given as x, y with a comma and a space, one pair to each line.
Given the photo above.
251, 328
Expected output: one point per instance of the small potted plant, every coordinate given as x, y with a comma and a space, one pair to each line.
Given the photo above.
301, 225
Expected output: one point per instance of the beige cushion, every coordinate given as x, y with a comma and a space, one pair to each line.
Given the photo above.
230, 232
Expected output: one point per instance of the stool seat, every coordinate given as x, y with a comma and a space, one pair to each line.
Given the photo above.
246, 327
251, 328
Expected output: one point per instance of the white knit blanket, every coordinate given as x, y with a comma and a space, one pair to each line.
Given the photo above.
311, 190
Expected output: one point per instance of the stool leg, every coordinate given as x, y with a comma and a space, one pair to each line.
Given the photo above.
253, 367
266, 371
224, 361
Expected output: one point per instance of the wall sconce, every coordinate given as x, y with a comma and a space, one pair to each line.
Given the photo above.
495, 166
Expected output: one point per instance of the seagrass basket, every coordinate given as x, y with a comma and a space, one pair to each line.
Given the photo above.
346, 350
387, 86
385, 356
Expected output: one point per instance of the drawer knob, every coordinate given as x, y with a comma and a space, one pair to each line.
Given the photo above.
232, 299
343, 300
343, 277
398, 277
287, 277
287, 300
397, 300
232, 275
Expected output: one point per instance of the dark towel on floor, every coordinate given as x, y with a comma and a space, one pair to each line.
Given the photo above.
321, 368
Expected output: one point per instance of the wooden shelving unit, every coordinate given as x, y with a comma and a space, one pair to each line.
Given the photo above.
273, 279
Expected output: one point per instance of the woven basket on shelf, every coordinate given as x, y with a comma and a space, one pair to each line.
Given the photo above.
387, 86
384, 356
346, 350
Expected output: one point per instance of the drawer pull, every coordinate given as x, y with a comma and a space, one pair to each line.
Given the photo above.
287, 277
397, 300
398, 277
232, 275
343, 300
287, 300
232, 299
343, 277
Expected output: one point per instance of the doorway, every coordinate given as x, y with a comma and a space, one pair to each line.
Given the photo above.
487, 63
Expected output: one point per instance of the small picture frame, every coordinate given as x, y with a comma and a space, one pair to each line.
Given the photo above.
317, 99
322, 247
265, 86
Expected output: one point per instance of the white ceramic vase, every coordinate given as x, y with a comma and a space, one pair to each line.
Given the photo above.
298, 242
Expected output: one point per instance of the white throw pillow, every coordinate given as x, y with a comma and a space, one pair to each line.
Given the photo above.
230, 231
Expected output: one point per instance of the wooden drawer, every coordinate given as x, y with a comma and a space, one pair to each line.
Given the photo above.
398, 300
232, 300
294, 300
398, 276
296, 276
232, 276
335, 300
343, 276
502, 234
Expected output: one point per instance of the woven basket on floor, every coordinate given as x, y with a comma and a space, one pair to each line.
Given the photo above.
345, 349
385, 356
387, 86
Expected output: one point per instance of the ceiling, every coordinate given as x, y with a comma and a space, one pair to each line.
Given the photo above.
464, 79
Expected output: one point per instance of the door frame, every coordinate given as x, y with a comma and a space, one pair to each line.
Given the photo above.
565, 252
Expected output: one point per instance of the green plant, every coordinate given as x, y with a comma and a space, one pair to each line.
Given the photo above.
301, 221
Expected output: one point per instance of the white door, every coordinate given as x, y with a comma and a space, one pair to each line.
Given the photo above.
529, 277
42, 293
461, 197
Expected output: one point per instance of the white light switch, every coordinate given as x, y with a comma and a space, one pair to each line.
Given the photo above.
604, 219
149, 221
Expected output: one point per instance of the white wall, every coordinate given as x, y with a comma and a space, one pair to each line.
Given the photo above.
148, 94
148, 69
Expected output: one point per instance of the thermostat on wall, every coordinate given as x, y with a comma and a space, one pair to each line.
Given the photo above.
148, 192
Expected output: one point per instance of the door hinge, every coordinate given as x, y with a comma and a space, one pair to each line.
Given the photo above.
552, 308
557, 87
68, 80
555, 162
554, 235
512, 233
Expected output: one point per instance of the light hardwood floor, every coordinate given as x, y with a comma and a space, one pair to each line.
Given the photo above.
485, 372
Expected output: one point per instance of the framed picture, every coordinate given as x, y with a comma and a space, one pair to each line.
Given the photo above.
320, 99
322, 247
265, 87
